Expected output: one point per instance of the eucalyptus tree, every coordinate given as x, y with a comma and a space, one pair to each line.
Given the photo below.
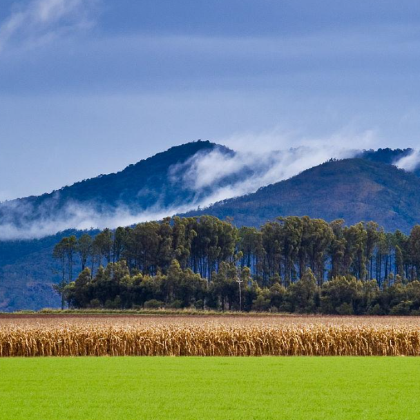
84, 249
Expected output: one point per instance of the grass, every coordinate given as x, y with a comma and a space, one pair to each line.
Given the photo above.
210, 388
145, 312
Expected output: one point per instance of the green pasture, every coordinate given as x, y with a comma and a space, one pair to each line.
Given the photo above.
210, 388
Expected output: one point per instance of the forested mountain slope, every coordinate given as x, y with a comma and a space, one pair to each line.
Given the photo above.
27, 272
140, 184
367, 188
352, 189
176, 180
148, 184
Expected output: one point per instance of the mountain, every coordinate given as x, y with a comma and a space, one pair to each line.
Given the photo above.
177, 180
27, 272
355, 189
351, 189
156, 182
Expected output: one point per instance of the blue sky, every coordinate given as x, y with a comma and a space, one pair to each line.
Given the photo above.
90, 86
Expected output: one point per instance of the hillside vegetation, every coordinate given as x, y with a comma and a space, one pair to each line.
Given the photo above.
363, 189
351, 189
138, 187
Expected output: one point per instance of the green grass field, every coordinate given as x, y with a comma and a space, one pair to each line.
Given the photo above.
210, 388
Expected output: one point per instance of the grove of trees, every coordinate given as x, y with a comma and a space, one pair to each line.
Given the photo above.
294, 264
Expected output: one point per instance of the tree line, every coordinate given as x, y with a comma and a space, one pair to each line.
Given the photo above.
293, 264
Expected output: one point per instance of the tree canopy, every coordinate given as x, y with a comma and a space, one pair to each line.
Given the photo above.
294, 264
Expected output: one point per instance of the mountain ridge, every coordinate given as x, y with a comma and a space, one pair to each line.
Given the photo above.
27, 270
137, 188
387, 191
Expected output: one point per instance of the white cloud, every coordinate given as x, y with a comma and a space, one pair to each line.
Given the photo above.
263, 159
78, 216
410, 162
41, 20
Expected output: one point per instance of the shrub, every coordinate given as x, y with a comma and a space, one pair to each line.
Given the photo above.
153, 304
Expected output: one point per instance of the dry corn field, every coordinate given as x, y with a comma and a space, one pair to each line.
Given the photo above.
69, 335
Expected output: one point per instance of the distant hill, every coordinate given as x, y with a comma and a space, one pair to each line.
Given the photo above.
354, 189
162, 184
351, 189
144, 185
28, 271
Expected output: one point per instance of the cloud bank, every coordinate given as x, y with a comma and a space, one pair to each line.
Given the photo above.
260, 163
81, 217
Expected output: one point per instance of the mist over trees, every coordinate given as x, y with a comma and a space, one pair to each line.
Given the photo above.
294, 264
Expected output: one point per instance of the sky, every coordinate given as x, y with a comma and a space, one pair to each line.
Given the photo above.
90, 86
